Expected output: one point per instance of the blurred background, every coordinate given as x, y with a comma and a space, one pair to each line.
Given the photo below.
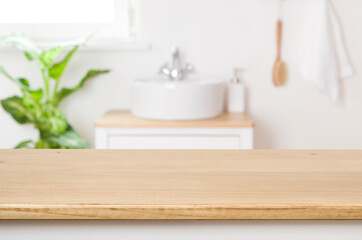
216, 37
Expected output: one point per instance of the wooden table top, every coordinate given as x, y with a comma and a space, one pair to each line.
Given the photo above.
180, 184
126, 119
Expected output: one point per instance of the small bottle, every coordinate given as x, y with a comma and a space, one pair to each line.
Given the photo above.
236, 93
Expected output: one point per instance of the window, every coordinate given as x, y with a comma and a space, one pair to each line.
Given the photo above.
46, 21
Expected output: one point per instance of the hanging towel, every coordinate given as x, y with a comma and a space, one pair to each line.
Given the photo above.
325, 61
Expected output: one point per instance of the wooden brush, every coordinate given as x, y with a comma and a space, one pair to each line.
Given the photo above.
280, 68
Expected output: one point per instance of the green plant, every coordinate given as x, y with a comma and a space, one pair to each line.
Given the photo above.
40, 106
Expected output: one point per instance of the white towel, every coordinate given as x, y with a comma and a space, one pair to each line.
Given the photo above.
325, 61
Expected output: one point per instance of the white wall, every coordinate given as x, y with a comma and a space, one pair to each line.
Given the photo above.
217, 36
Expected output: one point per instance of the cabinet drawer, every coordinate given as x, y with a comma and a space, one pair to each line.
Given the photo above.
174, 142
174, 138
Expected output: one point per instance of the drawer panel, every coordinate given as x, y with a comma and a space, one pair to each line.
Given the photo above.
174, 141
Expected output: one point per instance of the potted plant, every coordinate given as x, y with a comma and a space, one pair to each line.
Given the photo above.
40, 107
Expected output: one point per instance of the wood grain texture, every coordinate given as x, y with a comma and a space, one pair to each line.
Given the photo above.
180, 184
126, 119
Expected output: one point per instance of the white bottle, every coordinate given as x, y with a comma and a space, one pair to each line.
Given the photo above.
236, 94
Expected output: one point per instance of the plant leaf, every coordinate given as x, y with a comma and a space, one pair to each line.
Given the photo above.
52, 121
19, 41
48, 57
41, 144
64, 92
25, 144
56, 71
28, 56
14, 106
36, 94
24, 85
21, 82
69, 139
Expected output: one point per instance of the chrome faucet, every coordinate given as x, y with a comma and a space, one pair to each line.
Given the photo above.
177, 71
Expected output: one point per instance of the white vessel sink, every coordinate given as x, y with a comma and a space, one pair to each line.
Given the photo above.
162, 99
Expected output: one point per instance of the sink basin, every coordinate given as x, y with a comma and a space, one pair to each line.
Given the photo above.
162, 99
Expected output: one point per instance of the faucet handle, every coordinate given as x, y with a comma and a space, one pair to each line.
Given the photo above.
189, 68
165, 70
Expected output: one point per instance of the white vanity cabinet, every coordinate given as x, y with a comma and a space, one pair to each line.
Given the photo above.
121, 130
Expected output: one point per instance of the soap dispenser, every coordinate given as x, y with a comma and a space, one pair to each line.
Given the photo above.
236, 93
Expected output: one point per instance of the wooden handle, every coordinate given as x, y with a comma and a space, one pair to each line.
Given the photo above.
279, 37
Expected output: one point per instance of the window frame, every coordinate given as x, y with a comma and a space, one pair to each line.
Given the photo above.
125, 35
